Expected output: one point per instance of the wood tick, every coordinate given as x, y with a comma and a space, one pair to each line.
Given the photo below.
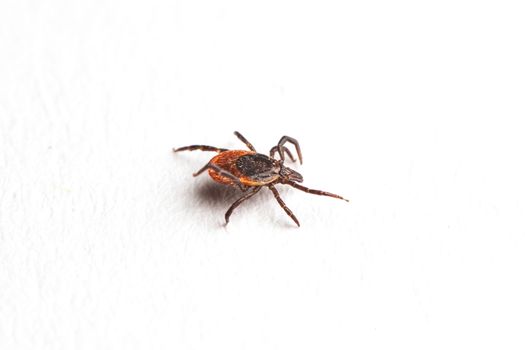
251, 171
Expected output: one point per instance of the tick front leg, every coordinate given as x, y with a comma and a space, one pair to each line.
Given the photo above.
285, 149
280, 147
317, 192
283, 205
200, 148
235, 204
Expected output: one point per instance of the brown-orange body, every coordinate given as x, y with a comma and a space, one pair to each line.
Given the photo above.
227, 160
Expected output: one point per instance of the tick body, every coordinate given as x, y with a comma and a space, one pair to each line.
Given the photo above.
250, 171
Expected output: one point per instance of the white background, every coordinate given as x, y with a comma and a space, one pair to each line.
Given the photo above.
413, 110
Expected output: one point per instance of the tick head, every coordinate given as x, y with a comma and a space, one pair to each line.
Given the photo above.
290, 174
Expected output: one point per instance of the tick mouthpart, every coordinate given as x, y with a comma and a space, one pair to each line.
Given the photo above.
291, 175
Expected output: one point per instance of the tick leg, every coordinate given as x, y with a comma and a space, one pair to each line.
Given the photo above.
280, 147
285, 149
222, 172
281, 203
206, 167
200, 147
246, 142
235, 204
308, 190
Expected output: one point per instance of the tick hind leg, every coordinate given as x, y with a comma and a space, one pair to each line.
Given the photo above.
200, 148
246, 142
221, 172
281, 148
235, 204
283, 205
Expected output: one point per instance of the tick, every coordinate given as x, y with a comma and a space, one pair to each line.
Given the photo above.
250, 171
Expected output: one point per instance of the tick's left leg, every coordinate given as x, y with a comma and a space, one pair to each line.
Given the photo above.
282, 204
235, 204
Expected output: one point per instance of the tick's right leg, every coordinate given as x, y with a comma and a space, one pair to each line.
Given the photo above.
200, 148
282, 204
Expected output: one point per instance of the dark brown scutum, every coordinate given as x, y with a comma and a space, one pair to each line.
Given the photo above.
253, 164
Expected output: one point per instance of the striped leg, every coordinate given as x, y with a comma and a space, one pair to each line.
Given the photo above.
285, 149
235, 204
282, 204
308, 190
280, 147
246, 142
200, 148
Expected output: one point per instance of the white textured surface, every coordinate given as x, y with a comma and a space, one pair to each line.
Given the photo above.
412, 110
